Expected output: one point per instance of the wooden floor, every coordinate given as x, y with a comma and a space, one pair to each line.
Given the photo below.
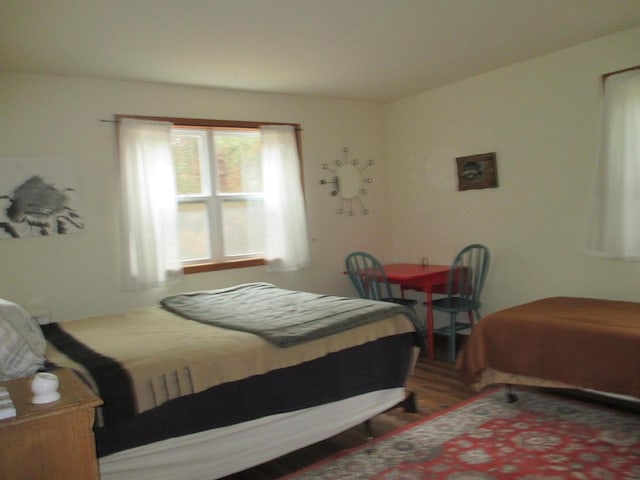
436, 385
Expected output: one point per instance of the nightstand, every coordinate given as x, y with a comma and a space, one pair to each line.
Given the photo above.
51, 441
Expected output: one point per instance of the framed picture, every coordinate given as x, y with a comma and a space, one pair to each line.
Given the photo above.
39, 196
477, 171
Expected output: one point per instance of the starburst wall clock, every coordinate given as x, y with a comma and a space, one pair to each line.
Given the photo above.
349, 182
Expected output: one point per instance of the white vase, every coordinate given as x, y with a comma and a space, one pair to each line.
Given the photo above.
45, 388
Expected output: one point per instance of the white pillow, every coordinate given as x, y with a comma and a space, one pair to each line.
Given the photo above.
22, 343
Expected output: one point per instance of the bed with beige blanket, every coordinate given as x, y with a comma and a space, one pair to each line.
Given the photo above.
562, 342
192, 399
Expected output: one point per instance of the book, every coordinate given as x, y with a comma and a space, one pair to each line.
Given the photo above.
7, 409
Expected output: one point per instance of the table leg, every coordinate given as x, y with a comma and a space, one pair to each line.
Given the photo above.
429, 327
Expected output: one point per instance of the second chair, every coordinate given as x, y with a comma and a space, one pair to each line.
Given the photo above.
466, 279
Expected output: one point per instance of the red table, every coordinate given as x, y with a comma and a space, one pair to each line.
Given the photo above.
426, 278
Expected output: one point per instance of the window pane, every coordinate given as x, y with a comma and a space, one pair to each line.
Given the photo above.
193, 222
243, 221
188, 150
238, 161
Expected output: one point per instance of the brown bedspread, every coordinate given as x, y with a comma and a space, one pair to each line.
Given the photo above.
589, 343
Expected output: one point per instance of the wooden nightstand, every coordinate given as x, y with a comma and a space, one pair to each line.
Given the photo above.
50, 441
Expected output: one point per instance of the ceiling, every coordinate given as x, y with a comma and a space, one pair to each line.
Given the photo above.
373, 50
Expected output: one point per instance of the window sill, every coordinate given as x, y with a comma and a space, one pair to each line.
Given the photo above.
212, 267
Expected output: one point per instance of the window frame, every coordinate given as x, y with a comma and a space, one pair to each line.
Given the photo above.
210, 266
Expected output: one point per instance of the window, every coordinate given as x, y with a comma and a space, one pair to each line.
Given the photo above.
219, 193
221, 198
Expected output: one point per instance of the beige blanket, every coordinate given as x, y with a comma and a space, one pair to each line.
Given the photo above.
168, 356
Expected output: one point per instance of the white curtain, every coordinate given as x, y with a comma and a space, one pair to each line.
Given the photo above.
614, 226
286, 242
148, 203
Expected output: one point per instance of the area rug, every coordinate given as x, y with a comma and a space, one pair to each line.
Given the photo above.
541, 436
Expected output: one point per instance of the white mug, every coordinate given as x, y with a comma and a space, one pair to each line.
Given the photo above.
45, 388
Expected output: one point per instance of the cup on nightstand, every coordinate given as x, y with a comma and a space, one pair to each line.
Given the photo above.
45, 388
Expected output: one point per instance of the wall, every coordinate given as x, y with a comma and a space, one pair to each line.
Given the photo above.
540, 116
78, 275
542, 119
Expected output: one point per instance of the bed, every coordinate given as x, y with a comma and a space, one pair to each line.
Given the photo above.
564, 342
226, 383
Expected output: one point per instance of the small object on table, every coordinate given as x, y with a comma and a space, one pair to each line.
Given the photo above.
45, 388
7, 409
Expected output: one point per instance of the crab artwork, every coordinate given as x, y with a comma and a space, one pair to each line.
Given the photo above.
39, 208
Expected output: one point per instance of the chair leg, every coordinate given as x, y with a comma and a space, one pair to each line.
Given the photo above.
452, 337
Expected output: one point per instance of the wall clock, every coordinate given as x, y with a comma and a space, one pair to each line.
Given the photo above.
349, 183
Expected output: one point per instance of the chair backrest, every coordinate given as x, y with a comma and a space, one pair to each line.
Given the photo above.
468, 273
367, 275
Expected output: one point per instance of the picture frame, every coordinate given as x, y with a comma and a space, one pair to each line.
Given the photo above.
49, 187
477, 171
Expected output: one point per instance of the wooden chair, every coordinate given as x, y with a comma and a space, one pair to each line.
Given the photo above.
465, 282
370, 281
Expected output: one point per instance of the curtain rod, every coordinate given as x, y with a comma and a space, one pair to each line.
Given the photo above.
140, 120
607, 75
298, 129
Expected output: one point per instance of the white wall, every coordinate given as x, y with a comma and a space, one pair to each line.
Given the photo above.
78, 275
542, 119
540, 116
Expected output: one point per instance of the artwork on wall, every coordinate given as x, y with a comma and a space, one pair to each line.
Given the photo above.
477, 171
39, 197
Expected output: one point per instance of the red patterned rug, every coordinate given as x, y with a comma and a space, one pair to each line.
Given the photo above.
541, 436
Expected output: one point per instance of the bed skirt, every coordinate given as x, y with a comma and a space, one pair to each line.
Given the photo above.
219, 452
